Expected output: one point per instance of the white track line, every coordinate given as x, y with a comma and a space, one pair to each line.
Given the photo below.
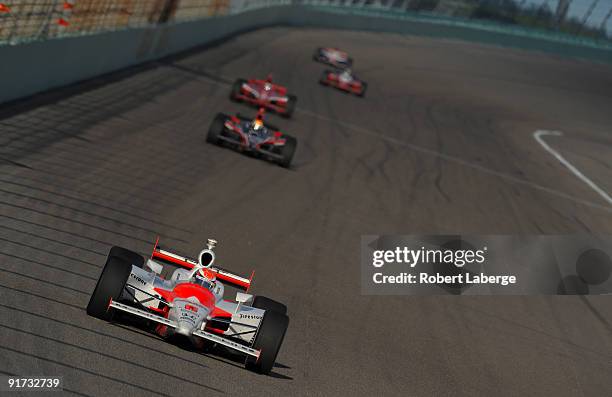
456, 160
538, 137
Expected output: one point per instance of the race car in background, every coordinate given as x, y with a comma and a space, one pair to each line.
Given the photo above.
190, 304
333, 57
344, 80
253, 136
264, 93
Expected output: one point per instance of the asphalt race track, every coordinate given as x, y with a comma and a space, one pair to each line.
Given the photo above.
442, 143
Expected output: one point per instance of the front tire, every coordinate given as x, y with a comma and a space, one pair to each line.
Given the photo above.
110, 286
130, 257
323, 80
267, 304
287, 151
291, 101
216, 129
269, 340
364, 88
237, 89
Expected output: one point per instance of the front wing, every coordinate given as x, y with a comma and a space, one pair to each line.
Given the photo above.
202, 334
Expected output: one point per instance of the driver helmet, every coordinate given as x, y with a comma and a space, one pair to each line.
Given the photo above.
258, 124
268, 83
206, 278
258, 121
209, 274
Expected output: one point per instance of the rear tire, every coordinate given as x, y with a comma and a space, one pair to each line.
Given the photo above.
236, 89
291, 101
267, 304
323, 79
110, 286
269, 340
364, 88
287, 151
216, 129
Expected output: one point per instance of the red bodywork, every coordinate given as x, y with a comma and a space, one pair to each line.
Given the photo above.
274, 99
203, 295
355, 86
275, 139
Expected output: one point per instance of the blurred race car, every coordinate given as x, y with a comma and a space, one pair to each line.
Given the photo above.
253, 136
189, 305
333, 57
345, 81
264, 93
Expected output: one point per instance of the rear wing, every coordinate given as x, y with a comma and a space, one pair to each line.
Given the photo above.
222, 275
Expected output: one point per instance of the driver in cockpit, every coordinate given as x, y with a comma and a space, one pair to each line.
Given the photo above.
268, 83
346, 75
257, 125
206, 278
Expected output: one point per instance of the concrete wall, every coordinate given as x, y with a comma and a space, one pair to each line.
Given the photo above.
30, 68
431, 28
35, 67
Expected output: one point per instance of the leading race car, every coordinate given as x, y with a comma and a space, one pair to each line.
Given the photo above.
253, 136
189, 305
333, 57
264, 93
345, 81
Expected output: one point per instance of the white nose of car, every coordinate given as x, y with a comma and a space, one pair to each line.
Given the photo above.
188, 316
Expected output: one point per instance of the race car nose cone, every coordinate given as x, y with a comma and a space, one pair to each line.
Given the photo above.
183, 329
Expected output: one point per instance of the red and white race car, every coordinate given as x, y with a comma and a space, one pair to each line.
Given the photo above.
264, 93
253, 135
183, 299
345, 81
333, 57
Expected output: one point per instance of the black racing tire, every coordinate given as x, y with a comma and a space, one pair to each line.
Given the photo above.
127, 255
317, 55
269, 339
291, 101
349, 62
110, 286
267, 304
287, 151
216, 129
323, 80
236, 88
364, 88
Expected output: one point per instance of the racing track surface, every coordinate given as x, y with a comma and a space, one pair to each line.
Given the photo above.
442, 143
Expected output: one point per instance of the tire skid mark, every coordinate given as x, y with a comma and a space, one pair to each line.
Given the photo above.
96, 332
73, 367
104, 243
48, 266
106, 355
130, 236
106, 207
45, 281
36, 182
53, 240
38, 249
